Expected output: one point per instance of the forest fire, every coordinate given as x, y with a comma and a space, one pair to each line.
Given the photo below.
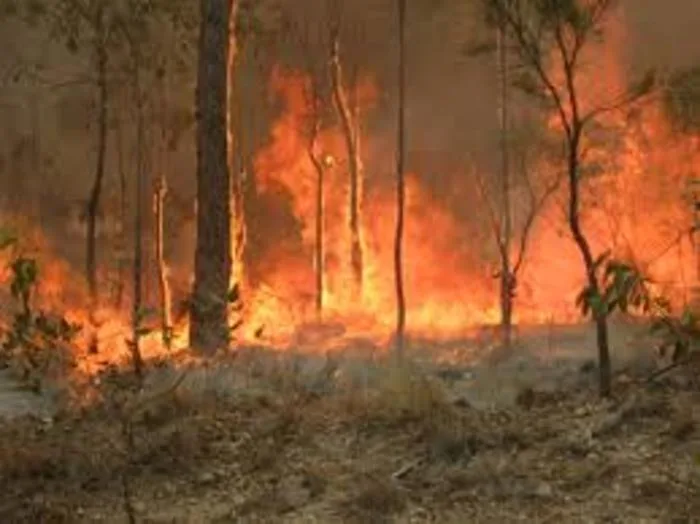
635, 203
636, 206
373, 261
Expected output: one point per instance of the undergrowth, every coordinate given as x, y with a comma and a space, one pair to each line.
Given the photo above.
37, 344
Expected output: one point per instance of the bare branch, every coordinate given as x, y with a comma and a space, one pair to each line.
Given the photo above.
493, 220
627, 99
536, 206
529, 52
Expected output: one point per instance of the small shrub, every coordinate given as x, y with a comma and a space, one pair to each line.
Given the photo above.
626, 289
36, 342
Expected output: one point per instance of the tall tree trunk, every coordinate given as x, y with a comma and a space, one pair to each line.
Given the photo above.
400, 186
96, 192
137, 313
166, 316
354, 162
209, 313
121, 262
235, 155
506, 233
599, 317
319, 212
159, 195
37, 167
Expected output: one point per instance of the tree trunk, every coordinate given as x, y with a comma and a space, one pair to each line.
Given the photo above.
354, 161
159, 194
600, 317
400, 187
319, 213
122, 266
96, 192
209, 313
137, 311
235, 155
166, 317
506, 234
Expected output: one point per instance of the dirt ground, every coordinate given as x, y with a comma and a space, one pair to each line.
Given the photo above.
261, 437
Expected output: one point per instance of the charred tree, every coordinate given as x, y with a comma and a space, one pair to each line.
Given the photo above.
347, 121
93, 205
209, 307
400, 185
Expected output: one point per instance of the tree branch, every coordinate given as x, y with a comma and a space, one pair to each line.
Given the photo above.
536, 206
493, 220
530, 54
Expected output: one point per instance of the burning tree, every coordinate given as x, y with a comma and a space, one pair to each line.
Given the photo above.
78, 23
548, 37
315, 99
400, 184
511, 236
209, 309
349, 119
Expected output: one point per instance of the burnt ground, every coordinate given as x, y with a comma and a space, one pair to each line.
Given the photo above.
263, 437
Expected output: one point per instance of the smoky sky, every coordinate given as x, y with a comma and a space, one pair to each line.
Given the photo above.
451, 98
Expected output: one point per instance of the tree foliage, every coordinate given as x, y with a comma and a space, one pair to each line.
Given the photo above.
33, 344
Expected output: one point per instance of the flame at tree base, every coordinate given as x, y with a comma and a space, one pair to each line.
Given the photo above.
636, 206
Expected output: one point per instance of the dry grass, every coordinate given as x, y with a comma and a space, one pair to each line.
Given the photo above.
269, 440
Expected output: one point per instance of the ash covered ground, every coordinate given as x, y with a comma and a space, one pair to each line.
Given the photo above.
264, 436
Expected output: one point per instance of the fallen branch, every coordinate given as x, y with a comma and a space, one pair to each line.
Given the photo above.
406, 469
670, 367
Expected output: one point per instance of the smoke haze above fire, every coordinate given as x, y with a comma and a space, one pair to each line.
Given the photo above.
450, 97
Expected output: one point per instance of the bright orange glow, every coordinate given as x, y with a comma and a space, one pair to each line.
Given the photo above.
635, 204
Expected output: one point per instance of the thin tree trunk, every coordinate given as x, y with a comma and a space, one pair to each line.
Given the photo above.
159, 195
400, 187
137, 312
121, 262
319, 213
166, 316
600, 317
506, 234
238, 230
354, 161
96, 192
36, 153
209, 314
